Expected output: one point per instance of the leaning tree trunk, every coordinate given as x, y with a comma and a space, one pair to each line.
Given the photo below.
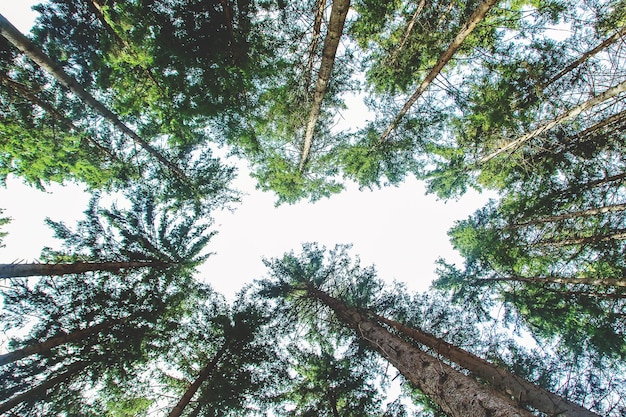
583, 240
40, 390
457, 394
34, 269
571, 215
592, 102
468, 27
24, 44
56, 341
338, 15
551, 279
522, 391
193, 388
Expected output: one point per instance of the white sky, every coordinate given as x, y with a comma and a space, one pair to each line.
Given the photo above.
398, 229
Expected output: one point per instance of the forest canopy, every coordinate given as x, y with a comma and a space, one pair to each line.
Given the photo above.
145, 99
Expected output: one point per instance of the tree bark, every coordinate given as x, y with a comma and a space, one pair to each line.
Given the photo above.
34, 269
24, 44
594, 101
522, 391
193, 388
457, 394
582, 213
40, 390
338, 15
466, 30
56, 341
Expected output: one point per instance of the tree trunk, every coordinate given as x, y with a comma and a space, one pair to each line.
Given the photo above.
600, 282
331, 42
587, 55
22, 43
317, 26
56, 341
193, 388
584, 240
457, 394
522, 391
34, 269
600, 98
40, 390
407, 32
25, 92
582, 213
468, 27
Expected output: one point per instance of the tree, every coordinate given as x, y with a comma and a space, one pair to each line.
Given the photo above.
300, 279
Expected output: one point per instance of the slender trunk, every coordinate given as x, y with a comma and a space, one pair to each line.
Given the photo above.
582, 213
56, 341
457, 394
193, 388
25, 92
407, 32
317, 26
468, 27
594, 101
584, 240
522, 391
587, 55
39, 391
600, 282
338, 15
34, 269
22, 43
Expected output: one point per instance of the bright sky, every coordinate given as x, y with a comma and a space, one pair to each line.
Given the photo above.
398, 229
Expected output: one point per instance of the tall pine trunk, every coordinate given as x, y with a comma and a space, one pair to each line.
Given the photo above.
338, 15
476, 17
522, 391
178, 409
600, 282
34, 269
457, 394
572, 215
24, 44
39, 391
56, 341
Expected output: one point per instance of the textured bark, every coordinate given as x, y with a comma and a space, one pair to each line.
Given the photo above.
56, 341
522, 391
193, 388
39, 391
466, 30
33, 269
338, 15
572, 215
594, 101
24, 44
457, 394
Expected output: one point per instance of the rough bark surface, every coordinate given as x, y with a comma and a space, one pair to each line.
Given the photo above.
337, 20
522, 391
457, 394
